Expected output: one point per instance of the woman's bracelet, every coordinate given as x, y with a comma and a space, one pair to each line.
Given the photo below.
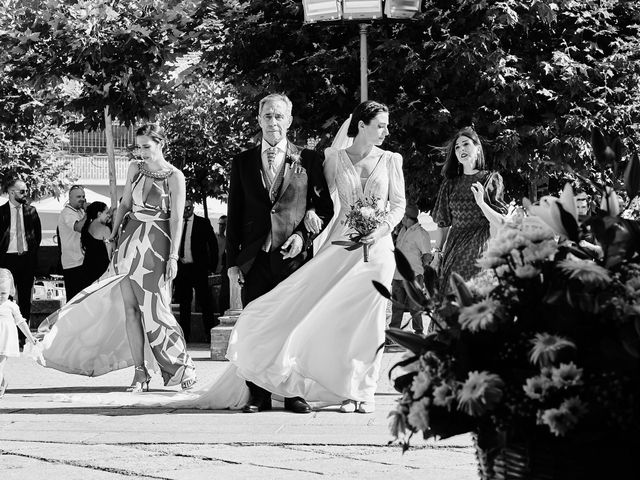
174, 256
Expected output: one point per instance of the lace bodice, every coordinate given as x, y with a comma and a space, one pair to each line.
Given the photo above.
386, 182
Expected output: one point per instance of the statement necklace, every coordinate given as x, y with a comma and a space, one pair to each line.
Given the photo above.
158, 174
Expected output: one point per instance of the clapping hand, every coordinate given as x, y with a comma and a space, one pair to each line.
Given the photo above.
478, 192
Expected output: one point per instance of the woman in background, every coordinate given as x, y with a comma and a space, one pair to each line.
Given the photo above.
95, 238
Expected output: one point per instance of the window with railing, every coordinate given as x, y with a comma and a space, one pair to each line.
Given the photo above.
94, 142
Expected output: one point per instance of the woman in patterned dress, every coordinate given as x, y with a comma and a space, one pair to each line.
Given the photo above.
469, 202
125, 319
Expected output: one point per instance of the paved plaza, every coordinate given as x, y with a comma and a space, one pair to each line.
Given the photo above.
42, 437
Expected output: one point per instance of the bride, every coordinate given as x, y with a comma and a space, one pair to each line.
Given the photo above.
317, 334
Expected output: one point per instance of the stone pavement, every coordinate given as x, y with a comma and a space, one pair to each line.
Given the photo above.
42, 438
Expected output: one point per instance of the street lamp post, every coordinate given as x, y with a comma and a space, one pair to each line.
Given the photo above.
363, 12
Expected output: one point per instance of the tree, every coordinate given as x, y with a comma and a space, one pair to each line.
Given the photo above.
118, 53
532, 76
205, 128
29, 142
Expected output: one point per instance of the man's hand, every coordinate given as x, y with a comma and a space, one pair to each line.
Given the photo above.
235, 275
312, 222
292, 247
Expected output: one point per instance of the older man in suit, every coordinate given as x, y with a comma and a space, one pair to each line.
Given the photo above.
198, 257
21, 235
271, 188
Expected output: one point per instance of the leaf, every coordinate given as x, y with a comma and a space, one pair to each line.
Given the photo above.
461, 290
403, 265
344, 243
382, 290
569, 223
412, 341
415, 293
632, 176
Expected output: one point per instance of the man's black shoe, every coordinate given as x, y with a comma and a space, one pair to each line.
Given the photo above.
255, 405
296, 405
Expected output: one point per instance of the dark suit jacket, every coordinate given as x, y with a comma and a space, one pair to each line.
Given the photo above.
252, 215
32, 229
204, 245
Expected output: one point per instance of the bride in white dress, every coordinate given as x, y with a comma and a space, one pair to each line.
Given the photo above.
317, 335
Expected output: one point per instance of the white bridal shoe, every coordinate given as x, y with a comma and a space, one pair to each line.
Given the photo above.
366, 407
348, 406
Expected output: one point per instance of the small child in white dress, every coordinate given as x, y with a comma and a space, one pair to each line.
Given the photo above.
10, 318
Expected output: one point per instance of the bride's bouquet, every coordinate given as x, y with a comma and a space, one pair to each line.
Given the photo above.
364, 217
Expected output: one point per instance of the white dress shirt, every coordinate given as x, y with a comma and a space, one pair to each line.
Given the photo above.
13, 243
188, 256
281, 147
70, 244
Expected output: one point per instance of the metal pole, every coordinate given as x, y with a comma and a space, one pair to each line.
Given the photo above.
364, 90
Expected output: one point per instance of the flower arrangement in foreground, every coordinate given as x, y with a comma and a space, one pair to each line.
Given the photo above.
364, 217
545, 342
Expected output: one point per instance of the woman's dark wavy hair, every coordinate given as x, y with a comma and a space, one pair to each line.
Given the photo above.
93, 210
366, 112
152, 130
452, 168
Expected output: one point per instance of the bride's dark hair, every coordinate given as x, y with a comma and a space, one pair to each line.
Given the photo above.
366, 112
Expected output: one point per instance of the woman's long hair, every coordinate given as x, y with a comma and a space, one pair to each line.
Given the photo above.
452, 167
366, 111
93, 210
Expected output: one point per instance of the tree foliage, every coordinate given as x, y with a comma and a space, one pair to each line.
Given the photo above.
531, 76
29, 142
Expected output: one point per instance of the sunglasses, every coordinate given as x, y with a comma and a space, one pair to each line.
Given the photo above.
75, 187
21, 192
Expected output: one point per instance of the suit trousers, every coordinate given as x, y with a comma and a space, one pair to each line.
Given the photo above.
267, 271
22, 269
192, 277
399, 293
73, 281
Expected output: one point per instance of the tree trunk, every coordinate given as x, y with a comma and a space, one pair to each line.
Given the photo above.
204, 206
111, 157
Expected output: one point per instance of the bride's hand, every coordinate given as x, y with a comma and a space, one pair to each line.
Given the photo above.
312, 222
382, 230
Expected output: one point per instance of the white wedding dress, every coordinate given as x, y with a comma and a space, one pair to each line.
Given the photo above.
318, 334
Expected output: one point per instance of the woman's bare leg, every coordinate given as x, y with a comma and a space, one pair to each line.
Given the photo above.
135, 332
3, 360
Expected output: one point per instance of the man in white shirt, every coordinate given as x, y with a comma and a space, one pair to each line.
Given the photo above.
20, 236
70, 224
415, 243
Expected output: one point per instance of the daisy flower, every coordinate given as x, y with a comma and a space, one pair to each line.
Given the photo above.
479, 316
559, 420
536, 387
444, 395
566, 375
527, 271
546, 347
481, 392
420, 384
418, 416
586, 271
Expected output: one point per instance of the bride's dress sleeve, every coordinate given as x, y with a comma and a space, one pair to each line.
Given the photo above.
397, 200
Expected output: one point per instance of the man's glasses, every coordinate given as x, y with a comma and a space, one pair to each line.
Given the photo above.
21, 192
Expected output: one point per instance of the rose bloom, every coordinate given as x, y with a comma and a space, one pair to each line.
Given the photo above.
479, 316
481, 392
443, 395
367, 212
546, 347
527, 271
420, 384
418, 416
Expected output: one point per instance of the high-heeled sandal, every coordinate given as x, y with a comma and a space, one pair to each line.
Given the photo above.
187, 384
139, 386
348, 406
366, 407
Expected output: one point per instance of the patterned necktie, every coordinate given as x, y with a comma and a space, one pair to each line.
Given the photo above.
271, 158
19, 234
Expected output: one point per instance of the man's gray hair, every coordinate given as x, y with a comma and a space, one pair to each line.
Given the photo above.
276, 97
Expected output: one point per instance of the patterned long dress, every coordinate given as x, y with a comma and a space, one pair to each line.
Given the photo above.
88, 336
469, 229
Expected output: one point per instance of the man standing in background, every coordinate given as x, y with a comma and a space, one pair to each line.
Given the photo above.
198, 256
223, 298
21, 235
70, 224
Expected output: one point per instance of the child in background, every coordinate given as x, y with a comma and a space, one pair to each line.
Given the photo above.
10, 317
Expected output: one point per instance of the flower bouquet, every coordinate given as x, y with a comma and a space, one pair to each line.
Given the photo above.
544, 345
364, 217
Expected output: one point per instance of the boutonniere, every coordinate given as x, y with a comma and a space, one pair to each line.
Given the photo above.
294, 162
